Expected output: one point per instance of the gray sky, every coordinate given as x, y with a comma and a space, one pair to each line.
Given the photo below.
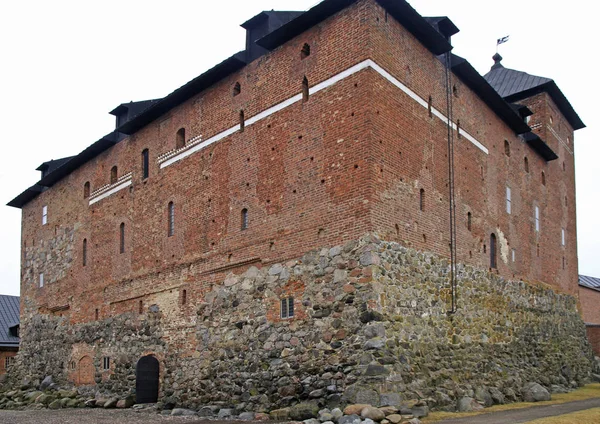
65, 64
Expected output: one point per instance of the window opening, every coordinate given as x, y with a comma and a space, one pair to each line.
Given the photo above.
562, 236
106, 363
42, 279
305, 90
421, 200
113, 174
508, 200
506, 148
469, 219
242, 121
44, 215
244, 218
145, 164
84, 252
287, 308
171, 212
184, 297
543, 178
493, 263
237, 89
180, 138
122, 238
305, 52
86, 190
526, 164
537, 218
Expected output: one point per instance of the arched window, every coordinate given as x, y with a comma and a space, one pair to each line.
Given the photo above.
113, 174
122, 238
171, 212
493, 263
305, 52
237, 89
526, 164
422, 200
242, 121
145, 164
84, 252
506, 148
86, 190
469, 217
543, 178
180, 138
305, 92
244, 219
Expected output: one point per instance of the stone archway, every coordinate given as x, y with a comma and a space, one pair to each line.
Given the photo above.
85, 371
146, 381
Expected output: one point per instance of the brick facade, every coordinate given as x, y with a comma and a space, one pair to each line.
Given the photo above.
350, 160
4, 354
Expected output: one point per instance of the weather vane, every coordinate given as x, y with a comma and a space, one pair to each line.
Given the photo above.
501, 41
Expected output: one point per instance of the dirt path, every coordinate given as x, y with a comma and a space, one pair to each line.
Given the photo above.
517, 416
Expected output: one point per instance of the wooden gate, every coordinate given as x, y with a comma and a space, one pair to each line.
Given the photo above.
146, 382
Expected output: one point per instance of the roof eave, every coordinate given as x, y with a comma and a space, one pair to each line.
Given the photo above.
398, 9
540, 146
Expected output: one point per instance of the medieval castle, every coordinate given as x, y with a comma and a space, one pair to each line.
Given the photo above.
345, 211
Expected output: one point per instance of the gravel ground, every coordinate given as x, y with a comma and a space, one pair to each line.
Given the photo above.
96, 416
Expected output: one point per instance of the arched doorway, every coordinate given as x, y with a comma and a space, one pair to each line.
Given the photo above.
86, 371
146, 382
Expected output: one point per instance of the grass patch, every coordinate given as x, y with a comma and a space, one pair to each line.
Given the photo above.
589, 416
586, 392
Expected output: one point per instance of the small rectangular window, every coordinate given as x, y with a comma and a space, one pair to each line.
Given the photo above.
42, 279
508, 200
287, 307
44, 215
562, 236
537, 219
513, 254
106, 363
8, 361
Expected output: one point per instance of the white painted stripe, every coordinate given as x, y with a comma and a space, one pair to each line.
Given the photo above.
315, 89
111, 191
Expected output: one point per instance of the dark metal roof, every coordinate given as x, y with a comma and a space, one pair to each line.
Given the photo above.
284, 16
399, 9
540, 146
185, 92
50, 166
589, 282
516, 85
133, 108
443, 25
26, 196
473, 79
9, 316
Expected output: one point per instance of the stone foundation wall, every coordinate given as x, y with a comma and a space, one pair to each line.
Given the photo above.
370, 325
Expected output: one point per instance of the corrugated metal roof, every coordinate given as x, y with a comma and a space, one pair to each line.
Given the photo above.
589, 282
9, 316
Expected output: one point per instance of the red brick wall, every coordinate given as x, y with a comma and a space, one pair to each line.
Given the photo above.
410, 150
350, 160
590, 305
593, 334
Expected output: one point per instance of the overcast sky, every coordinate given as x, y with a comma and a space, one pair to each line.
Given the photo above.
65, 64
